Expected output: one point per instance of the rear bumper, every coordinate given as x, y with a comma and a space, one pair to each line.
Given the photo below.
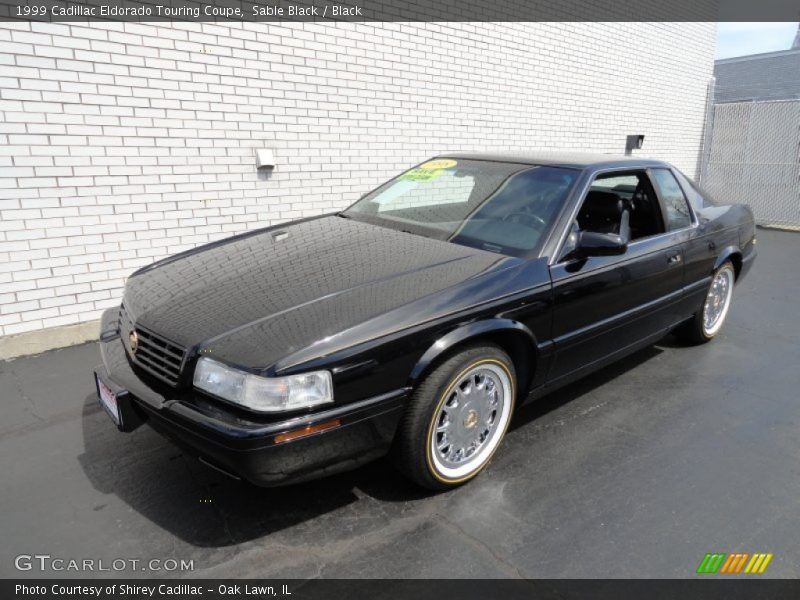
248, 449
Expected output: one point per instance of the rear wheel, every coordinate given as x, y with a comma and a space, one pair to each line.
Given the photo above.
457, 417
709, 319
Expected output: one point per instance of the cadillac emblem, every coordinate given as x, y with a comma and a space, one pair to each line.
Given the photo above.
133, 342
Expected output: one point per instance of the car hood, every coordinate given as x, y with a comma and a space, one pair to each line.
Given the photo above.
258, 297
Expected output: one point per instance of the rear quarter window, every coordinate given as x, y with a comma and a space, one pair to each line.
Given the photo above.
676, 208
697, 198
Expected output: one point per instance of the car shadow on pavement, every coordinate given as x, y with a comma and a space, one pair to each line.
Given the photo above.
207, 509
558, 398
673, 341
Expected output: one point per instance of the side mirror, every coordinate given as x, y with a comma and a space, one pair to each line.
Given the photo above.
591, 243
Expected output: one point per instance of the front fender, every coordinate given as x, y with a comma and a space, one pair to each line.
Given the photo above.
466, 332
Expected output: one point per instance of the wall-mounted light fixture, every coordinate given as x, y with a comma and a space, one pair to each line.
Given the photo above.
633, 142
265, 159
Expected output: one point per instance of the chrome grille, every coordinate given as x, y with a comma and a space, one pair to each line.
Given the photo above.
155, 354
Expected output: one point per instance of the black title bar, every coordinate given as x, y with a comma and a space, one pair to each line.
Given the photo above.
418, 589
400, 10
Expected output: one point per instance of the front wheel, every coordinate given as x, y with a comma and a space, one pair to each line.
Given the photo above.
708, 321
457, 418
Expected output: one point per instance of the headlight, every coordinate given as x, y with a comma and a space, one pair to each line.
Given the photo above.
266, 394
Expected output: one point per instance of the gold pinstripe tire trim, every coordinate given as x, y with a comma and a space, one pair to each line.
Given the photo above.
443, 397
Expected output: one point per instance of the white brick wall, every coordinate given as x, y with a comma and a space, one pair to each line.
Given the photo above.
121, 143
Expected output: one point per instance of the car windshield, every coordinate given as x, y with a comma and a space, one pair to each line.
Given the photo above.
496, 206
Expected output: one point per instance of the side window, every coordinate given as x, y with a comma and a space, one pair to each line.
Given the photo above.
610, 194
675, 204
698, 197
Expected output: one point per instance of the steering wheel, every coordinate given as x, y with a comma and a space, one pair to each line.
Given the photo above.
533, 220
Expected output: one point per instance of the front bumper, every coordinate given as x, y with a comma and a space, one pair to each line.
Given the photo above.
244, 448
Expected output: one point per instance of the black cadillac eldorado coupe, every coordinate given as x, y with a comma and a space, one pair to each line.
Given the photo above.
415, 321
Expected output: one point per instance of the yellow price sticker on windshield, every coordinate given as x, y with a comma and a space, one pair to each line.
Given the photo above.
439, 163
420, 175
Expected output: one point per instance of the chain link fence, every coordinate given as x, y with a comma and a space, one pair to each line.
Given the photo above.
753, 157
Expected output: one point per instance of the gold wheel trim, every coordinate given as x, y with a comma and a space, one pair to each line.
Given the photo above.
453, 382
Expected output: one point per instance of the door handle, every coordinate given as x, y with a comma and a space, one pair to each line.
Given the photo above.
674, 259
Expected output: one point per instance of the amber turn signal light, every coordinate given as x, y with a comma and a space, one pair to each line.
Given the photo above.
307, 430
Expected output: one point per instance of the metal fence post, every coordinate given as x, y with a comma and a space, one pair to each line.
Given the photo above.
708, 132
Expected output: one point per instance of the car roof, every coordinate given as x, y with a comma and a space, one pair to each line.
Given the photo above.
578, 160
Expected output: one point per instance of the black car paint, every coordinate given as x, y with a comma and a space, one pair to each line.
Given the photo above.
377, 307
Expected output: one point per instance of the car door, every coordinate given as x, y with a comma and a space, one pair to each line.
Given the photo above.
604, 306
703, 243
